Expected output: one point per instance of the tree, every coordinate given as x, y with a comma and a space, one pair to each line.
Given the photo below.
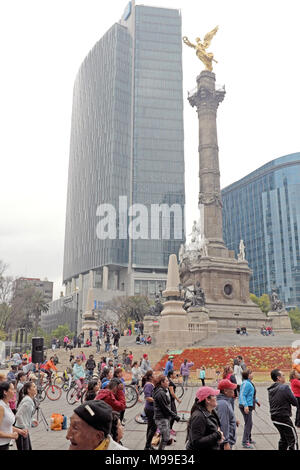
126, 308
38, 306
26, 308
294, 315
5, 311
263, 302
61, 331
6, 285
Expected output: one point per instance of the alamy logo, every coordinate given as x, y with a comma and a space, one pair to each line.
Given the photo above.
154, 222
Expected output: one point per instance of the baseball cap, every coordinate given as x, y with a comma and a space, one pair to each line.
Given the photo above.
225, 383
97, 414
145, 355
204, 392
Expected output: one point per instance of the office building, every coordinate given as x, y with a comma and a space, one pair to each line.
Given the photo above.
126, 141
263, 209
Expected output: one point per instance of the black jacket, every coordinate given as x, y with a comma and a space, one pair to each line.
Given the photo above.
90, 364
162, 405
280, 400
203, 430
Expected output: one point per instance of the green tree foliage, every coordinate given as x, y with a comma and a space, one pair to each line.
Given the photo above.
295, 319
263, 302
61, 331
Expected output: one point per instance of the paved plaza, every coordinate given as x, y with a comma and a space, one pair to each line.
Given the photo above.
264, 433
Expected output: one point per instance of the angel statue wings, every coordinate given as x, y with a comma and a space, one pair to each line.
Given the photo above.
206, 57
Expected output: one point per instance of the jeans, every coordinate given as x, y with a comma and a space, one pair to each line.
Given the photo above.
185, 380
107, 347
164, 428
248, 424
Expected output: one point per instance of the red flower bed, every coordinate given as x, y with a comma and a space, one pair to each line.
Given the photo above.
258, 359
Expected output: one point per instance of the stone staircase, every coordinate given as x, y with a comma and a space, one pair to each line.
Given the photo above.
128, 343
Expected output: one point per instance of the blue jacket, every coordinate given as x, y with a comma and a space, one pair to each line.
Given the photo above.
246, 397
169, 366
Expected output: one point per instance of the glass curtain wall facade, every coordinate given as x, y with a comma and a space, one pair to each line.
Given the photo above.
158, 153
126, 140
99, 167
263, 209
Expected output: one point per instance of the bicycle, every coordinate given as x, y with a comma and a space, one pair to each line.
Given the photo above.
179, 389
75, 393
49, 390
131, 396
64, 381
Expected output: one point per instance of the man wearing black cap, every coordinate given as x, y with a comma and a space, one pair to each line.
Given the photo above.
90, 427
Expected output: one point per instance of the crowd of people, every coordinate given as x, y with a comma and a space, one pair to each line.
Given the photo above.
99, 422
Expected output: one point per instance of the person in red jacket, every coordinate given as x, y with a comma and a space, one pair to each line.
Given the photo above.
113, 395
295, 386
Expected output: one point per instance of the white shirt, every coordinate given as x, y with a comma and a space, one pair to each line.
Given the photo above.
7, 423
237, 371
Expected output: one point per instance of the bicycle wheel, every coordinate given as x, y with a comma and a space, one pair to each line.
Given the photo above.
72, 395
131, 396
179, 390
65, 386
53, 392
83, 395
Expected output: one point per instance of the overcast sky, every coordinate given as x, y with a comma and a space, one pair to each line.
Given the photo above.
43, 43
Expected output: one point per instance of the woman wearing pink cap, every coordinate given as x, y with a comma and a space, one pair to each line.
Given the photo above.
204, 430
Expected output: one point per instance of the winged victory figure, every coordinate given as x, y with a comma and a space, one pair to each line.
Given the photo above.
206, 57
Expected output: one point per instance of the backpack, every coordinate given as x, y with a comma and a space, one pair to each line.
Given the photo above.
56, 422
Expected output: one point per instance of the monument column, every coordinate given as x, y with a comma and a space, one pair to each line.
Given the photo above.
207, 99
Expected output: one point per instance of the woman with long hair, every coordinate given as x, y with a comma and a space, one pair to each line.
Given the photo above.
162, 409
7, 418
148, 387
92, 390
25, 412
204, 431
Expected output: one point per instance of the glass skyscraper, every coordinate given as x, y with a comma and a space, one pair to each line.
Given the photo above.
263, 209
126, 140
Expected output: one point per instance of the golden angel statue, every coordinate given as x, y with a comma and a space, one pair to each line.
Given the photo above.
206, 57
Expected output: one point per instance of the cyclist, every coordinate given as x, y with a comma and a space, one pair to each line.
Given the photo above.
49, 367
78, 374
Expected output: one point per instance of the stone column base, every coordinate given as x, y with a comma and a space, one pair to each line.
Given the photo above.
280, 322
